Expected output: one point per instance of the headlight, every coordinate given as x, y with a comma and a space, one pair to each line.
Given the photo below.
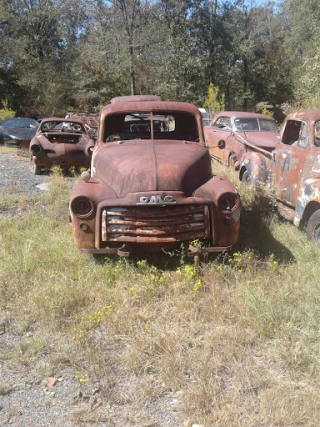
35, 149
82, 207
228, 202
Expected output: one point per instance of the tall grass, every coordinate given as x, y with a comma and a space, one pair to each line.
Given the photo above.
233, 341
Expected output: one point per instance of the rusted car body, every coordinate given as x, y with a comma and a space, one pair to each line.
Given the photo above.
292, 170
150, 185
90, 120
237, 128
62, 142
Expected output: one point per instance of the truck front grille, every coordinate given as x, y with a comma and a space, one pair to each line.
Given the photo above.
155, 224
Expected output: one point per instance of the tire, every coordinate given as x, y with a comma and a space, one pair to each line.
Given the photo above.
313, 227
245, 177
35, 169
232, 160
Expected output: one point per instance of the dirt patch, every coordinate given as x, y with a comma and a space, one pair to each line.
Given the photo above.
15, 175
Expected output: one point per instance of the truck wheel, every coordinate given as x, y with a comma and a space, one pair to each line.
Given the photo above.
35, 169
313, 227
245, 177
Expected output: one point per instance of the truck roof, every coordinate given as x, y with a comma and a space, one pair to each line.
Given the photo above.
311, 114
141, 103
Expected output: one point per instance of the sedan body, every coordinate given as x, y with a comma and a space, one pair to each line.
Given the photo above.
241, 131
17, 131
61, 142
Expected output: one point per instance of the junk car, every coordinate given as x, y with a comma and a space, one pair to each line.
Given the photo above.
150, 186
90, 121
17, 131
61, 142
236, 129
291, 171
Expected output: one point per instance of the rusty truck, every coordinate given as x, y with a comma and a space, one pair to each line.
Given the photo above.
150, 185
291, 171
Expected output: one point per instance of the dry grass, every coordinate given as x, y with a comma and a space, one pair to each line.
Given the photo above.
229, 342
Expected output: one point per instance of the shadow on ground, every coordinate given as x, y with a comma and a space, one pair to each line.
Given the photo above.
255, 231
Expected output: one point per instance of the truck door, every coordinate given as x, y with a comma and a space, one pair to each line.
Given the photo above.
288, 161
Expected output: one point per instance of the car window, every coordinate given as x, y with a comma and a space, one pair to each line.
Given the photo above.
222, 122
317, 133
58, 126
160, 125
296, 134
246, 124
303, 140
268, 125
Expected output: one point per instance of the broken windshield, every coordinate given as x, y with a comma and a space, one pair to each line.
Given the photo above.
160, 125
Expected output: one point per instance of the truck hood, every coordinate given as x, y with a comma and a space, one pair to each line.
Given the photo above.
144, 165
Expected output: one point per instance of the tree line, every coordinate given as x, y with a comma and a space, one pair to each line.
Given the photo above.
61, 55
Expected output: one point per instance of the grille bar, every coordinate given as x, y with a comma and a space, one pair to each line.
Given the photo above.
155, 224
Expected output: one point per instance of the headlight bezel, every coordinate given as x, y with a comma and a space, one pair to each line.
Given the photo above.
83, 207
228, 202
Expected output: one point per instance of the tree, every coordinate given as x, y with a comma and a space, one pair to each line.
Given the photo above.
41, 40
302, 49
214, 101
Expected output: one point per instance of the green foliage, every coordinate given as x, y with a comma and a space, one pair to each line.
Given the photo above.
214, 101
266, 112
302, 42
6, 112
65, 55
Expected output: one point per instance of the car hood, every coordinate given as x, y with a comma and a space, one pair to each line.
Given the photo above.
266, 140
20, 133
140, 166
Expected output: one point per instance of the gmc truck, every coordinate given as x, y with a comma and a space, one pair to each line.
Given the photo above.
150, 185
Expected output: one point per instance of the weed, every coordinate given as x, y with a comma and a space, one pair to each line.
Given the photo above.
233, 338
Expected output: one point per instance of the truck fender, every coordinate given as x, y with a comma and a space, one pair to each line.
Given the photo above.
308, 201
254, 168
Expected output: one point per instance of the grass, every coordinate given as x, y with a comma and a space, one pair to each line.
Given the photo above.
233, 341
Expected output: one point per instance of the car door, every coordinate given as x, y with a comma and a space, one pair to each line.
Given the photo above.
288, 161
220, 129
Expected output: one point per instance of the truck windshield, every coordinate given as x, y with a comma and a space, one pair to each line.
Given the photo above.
150, 125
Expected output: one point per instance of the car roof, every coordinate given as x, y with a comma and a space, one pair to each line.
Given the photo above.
17, 118
240, 114
61, 119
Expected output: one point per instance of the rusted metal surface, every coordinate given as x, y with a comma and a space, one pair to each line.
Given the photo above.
240, 130
292, 169
62, 142
151, 184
